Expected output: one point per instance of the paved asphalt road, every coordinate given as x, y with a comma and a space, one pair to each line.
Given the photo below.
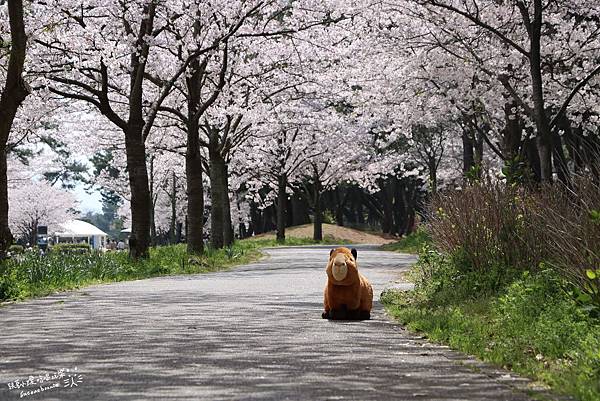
252, 333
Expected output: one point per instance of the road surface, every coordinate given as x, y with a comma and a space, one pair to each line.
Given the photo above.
251, 333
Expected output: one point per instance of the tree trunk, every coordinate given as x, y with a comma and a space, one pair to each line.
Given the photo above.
400, 215
178, 232
140, 193
410, 199
281, 206
478, 146
217, 202
533, 158
359, 213
300, 211
544, 138
254, 228
227, 225
6, 237
153, 199
340, 202
468, 152
388, 207
195, 193
173, 222
432, 174
33, 234
13, 94
194, 226
318, 219
511, 138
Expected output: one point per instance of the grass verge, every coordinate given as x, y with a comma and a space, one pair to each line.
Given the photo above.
532, 326
412, 243
31, 275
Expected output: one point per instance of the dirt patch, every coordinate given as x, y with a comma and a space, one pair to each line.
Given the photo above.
343, 234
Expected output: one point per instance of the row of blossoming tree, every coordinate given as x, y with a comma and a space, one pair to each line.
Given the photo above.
215, 114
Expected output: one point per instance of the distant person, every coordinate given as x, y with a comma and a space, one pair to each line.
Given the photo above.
121, 245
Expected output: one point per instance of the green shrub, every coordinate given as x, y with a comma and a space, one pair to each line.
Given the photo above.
412, 243
16, 249
532, 326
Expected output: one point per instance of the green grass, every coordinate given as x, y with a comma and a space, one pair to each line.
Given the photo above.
30, 275
532, 326
412, 243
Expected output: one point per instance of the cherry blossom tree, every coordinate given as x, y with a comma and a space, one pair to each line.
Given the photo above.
37, 203
98, 38
14, 92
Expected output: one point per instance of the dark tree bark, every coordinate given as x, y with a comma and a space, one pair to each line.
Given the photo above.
433, 165
153, 199
317, 206
135, 150
13, 94
195, 189
410, 201
173, 222
281, 207
300, 213
544, 138
468, 151
227, 225
216, 196
318, 223
254, 220
340, 205
359, 213
512, 133
387, 200
289, 212
533, 158
400, 212
179, 232
478, 147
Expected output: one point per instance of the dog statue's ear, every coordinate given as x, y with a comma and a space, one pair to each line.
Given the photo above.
353, 251
331, 252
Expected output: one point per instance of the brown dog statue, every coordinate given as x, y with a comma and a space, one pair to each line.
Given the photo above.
348, 294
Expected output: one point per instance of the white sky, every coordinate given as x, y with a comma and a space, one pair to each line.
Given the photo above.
88, 202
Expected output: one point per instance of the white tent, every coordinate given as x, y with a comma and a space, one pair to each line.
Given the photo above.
77, 231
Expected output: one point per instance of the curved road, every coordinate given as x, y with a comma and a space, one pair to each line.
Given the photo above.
251, 333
